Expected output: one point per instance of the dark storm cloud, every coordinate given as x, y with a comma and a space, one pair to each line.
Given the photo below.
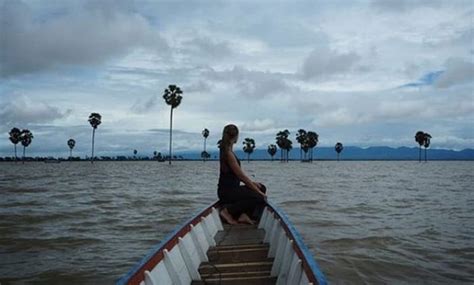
84, 35
22, 111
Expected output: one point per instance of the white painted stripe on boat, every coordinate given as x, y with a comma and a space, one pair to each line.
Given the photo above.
149, 280
282, 241
207, 233
170, 268
199, 248
269, 232
274, 239
285, 266
217, 219
293, 269
212, 223
263, 219
304, 280
201, 236
160, 274
268, 222
177, 260
293, 275
187, 252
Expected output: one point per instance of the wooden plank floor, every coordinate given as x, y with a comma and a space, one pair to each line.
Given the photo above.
240, 257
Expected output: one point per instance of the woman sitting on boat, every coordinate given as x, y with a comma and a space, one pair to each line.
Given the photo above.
239, 201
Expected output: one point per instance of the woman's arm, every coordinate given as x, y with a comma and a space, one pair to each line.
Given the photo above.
235, 167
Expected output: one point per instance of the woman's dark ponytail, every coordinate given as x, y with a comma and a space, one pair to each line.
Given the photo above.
228, 135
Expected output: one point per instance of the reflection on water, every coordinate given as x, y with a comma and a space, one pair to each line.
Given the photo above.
366, 222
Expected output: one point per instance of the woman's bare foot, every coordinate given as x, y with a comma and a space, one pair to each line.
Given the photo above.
244, 218
227, 217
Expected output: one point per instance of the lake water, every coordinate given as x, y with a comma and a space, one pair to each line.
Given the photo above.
365, 222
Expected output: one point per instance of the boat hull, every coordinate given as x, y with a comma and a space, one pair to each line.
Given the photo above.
271, 252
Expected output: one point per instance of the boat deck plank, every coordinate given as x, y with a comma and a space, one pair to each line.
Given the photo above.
240, 235
239, 257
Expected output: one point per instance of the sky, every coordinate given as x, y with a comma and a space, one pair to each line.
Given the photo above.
365, 73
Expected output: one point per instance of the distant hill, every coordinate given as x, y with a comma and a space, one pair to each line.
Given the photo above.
355, 153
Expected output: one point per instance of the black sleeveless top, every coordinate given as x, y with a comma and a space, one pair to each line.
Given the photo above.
227, 178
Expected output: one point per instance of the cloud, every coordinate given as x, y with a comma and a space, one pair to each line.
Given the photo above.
322, 63
90, 34
457, 71
258, 125
250, 83
141, 106
403, 5
205, 46
22, 111
199, 86
341, 117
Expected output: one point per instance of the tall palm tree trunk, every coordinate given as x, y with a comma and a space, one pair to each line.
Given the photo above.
248, 157
70, 154
419, 155
93, 137
16, 158
23, 160
425, 156
171, 131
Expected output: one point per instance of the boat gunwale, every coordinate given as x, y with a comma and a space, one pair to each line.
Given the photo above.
310, 266
155, 255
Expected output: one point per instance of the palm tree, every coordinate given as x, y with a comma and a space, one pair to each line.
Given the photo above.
301, 138
426, 143
272, 149
135, 154
25, 137
281, 141
71, 143
95, 119
313, 139
159, 157
205, 134
420, 139
287, 144
249, 146
305, 148
339, 147
205, 155
173, 98
15, 138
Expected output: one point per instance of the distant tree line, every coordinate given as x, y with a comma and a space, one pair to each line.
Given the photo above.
308, 140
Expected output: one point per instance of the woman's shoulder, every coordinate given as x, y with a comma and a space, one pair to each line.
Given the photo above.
228, 154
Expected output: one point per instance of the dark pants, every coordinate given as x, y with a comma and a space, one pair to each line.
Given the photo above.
242, 200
